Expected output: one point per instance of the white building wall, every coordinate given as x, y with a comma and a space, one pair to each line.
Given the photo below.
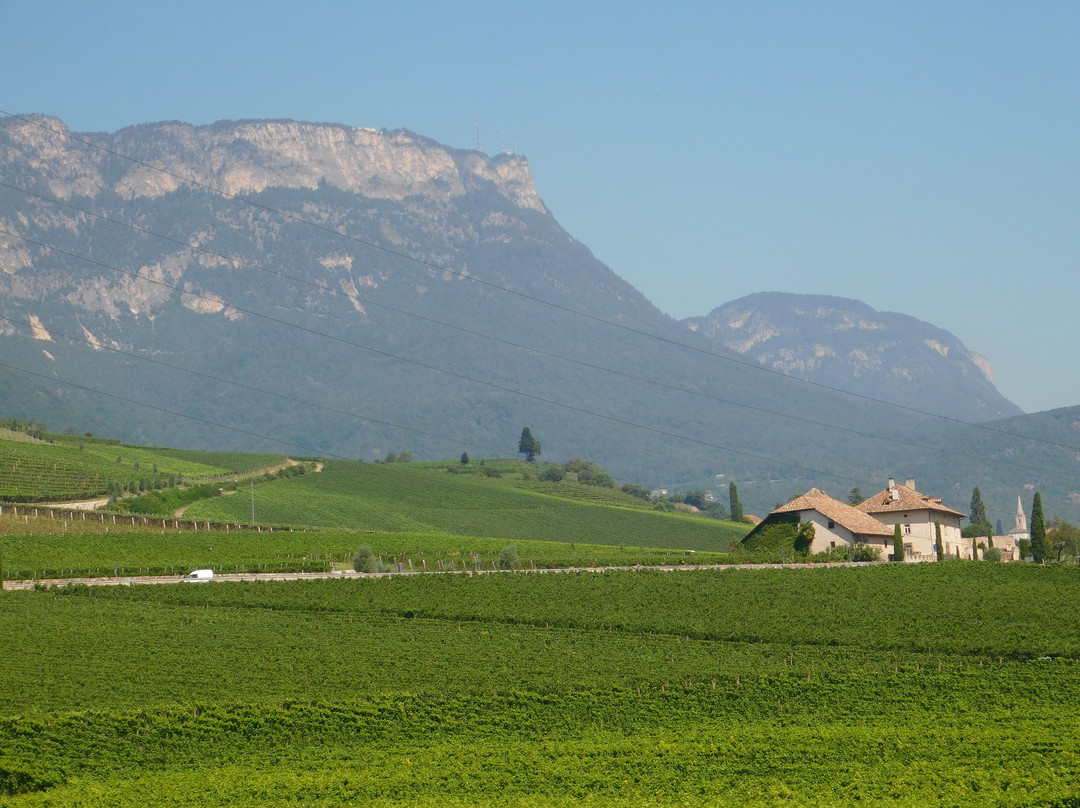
826, 537
917, 528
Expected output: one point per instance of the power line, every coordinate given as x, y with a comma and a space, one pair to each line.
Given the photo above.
360, 416
253, 389
435, 268
356, 298
207, 422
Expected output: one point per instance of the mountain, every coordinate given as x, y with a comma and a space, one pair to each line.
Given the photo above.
844, 343
309, 288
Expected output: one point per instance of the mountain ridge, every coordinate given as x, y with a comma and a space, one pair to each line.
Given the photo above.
841, 342
380, 338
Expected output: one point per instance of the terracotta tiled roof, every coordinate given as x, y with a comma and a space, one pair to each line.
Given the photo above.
907, 499
857, 521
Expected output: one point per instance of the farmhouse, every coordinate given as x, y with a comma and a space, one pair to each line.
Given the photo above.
872, 522
836, 524
917, 514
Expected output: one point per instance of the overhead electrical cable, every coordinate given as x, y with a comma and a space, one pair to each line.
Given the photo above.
435, 268
126, 400
454, 374
253, 389
356, 298
572, 407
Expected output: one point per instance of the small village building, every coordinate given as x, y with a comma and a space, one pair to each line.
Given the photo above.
836, 524
917, 514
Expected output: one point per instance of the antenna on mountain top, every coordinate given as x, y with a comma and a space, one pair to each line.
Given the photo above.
478, 137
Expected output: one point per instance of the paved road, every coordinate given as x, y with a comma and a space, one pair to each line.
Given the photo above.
299, 576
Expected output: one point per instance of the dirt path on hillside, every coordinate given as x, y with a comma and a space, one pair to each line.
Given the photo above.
268, 470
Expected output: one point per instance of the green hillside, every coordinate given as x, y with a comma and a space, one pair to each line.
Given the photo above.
62, 467
402, 497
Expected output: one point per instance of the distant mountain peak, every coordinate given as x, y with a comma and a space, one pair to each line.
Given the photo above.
847, 344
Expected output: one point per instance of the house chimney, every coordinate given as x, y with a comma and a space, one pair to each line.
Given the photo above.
892, 483
910, 483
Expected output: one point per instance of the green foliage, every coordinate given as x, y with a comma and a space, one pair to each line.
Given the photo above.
528, 445
735, 503
939, 545
365, 560
773, 537
464, 458
508, 558
1039, 549
977, 511
856, 496
976, 530
991, 554
166, 502
601, 480
856, 552
804, 537
635, 490
898, 544
552, 474
1063, 539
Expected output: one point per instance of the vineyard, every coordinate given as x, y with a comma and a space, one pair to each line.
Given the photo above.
72, 468
955, 683
402, 498
41, 548
798, 687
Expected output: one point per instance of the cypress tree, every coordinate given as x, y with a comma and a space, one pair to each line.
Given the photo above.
736, 506
939, 545
978, 509
897, 543
1038, 530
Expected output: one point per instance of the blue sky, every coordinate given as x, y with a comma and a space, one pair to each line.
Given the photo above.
921, 157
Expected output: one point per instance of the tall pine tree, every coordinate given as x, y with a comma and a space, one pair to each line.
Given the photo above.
1038, 530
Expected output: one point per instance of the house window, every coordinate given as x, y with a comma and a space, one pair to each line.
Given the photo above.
908, 550
907, 530
832, 524
832, 544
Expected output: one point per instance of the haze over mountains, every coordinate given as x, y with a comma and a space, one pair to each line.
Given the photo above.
324, 289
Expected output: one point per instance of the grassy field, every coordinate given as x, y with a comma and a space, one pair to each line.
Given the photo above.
795, 687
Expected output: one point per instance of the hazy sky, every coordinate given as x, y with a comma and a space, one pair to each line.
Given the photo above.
921, 157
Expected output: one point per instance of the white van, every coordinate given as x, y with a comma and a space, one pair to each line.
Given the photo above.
199, 575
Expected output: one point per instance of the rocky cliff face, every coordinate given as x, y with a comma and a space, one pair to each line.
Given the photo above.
250, 156
847, 344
